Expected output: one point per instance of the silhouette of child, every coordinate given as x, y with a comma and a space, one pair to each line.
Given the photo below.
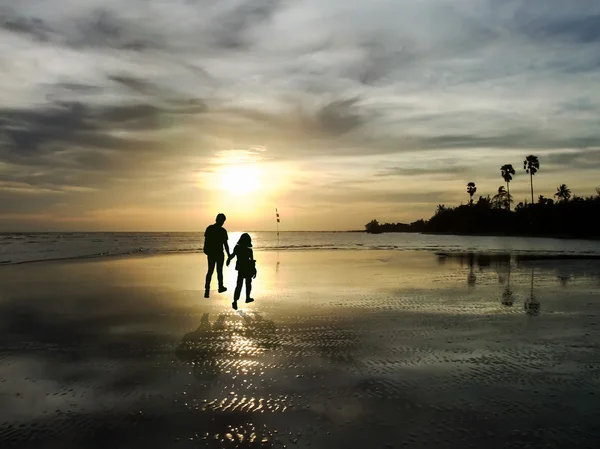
245, 266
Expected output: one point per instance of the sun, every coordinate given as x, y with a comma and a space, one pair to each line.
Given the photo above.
240, 179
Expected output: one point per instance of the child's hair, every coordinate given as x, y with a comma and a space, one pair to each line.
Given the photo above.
245, 240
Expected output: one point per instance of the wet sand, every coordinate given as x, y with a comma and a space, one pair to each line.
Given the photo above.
348, 349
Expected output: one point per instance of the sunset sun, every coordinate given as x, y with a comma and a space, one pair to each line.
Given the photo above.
240, 180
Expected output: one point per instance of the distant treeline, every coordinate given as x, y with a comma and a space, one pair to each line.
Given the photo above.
577, 217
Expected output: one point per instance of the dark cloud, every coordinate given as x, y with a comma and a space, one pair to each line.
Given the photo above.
135, 84
98, 29
231, 29
34, 27
346, 195
340, 116
531, 139
579, 160
581, 29
79, 88
580, 104
105, 29
29, 133
446, 169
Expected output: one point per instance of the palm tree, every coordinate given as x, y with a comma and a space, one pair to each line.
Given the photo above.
499, 199
471, 189
507, 171
531, 164
563, 192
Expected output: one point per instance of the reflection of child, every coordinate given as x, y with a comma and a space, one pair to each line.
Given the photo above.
245, 266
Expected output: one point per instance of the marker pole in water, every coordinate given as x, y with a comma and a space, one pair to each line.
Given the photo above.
278, 221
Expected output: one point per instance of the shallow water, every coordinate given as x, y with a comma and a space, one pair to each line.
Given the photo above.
348, 349
30, 247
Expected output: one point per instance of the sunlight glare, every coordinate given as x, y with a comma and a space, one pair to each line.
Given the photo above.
240, 179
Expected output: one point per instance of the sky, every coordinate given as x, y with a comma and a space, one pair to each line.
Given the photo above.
155, 115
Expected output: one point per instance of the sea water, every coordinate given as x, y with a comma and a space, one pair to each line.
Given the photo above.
31, 247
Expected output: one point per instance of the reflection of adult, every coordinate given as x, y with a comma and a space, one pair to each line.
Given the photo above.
208, 349
202, 347
215, 238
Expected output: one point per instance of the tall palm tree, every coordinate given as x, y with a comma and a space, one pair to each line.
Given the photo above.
563, 192
531, 164
507, 171
471, 189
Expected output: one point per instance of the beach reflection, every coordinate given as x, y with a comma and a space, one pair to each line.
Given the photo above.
532, 305
343, 343
522, 271
232, 344
502, 265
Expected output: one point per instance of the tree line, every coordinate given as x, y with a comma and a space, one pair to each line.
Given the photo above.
563, 215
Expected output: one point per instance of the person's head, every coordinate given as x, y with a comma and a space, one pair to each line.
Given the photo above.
220, 219
245, 240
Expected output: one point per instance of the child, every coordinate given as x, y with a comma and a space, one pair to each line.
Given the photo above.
245, 266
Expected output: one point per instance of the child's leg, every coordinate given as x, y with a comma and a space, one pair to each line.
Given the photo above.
238, 286
248, 286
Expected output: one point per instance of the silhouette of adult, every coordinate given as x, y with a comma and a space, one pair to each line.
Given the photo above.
215, 238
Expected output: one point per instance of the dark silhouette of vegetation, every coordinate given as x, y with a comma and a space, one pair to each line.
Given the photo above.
545, 201
502, 199
570, 216
563, 193
374, 227
578, 217
531, 164
507, 171
471, 189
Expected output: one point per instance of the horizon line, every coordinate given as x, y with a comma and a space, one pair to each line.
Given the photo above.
161, 232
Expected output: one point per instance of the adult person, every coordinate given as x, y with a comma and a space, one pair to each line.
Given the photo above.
215, 239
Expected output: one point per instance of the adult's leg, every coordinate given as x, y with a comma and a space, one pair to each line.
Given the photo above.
238, 286
248, 286
209, 273
220, 259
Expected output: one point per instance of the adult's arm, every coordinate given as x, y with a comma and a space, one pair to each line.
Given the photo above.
230, 257
204, 247
226, 244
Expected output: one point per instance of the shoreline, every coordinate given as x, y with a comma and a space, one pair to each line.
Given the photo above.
483, 234
523, 256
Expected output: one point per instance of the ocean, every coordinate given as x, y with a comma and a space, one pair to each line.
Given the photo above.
16, 248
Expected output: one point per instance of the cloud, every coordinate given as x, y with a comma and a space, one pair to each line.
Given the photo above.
104, 93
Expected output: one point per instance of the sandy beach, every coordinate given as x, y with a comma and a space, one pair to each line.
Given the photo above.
348, 349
